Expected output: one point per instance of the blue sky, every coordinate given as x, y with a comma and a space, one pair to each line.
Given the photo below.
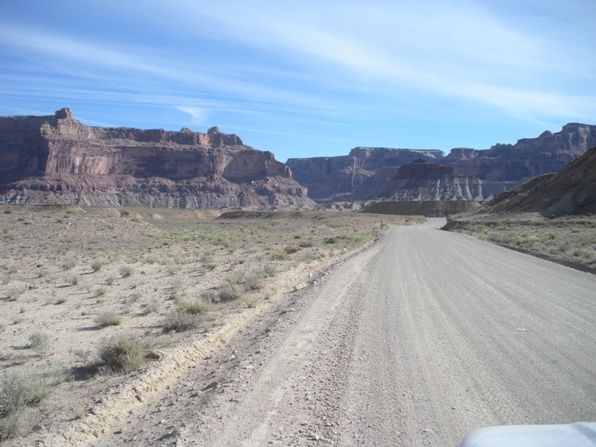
307, 78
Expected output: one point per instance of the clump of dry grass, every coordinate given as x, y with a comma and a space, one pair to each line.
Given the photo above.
195, 307
68, 264
126, 271
280, 256
269, 271
254, 281
108, 318
14, 293
17, 391
122, 354
96, 266
99, 292
229, 292
39, 343
73, 280
179, 320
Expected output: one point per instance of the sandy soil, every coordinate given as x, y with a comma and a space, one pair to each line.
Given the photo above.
62, 269
415, 342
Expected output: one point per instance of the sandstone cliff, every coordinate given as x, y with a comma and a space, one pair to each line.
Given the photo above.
58, 160
477, 174
549, 152
363, 174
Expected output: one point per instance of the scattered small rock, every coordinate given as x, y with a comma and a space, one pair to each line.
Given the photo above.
211, 386
153, 355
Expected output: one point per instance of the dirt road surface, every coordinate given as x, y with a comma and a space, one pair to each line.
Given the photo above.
413, 342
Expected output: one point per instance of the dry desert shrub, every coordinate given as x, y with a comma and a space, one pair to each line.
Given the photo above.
290, 249
280, 256
122, 354
269, 271
195, 307
254, 281
9, 427
105, 319
96, 266
73, 280
126, 271
229, 292
39, 343
68, 264
179, 321
14, 294
17, 392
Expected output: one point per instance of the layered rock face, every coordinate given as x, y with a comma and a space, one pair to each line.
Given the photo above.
550, 152
427, 181
58, 160
570, 191
477, 174
363, 174
424, 181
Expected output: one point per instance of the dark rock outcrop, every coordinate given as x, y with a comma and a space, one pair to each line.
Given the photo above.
423, 180
570, 191
430, 182
58, 160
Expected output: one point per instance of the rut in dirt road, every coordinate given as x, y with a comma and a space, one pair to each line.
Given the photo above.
416, 341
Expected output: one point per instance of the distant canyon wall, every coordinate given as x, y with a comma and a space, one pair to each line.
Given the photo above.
367, 173
58, 160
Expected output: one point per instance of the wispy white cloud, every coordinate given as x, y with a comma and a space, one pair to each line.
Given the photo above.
458, 50
199, 116
99, 59
358, 70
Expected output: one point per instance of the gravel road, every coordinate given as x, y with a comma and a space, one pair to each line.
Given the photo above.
413, 342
